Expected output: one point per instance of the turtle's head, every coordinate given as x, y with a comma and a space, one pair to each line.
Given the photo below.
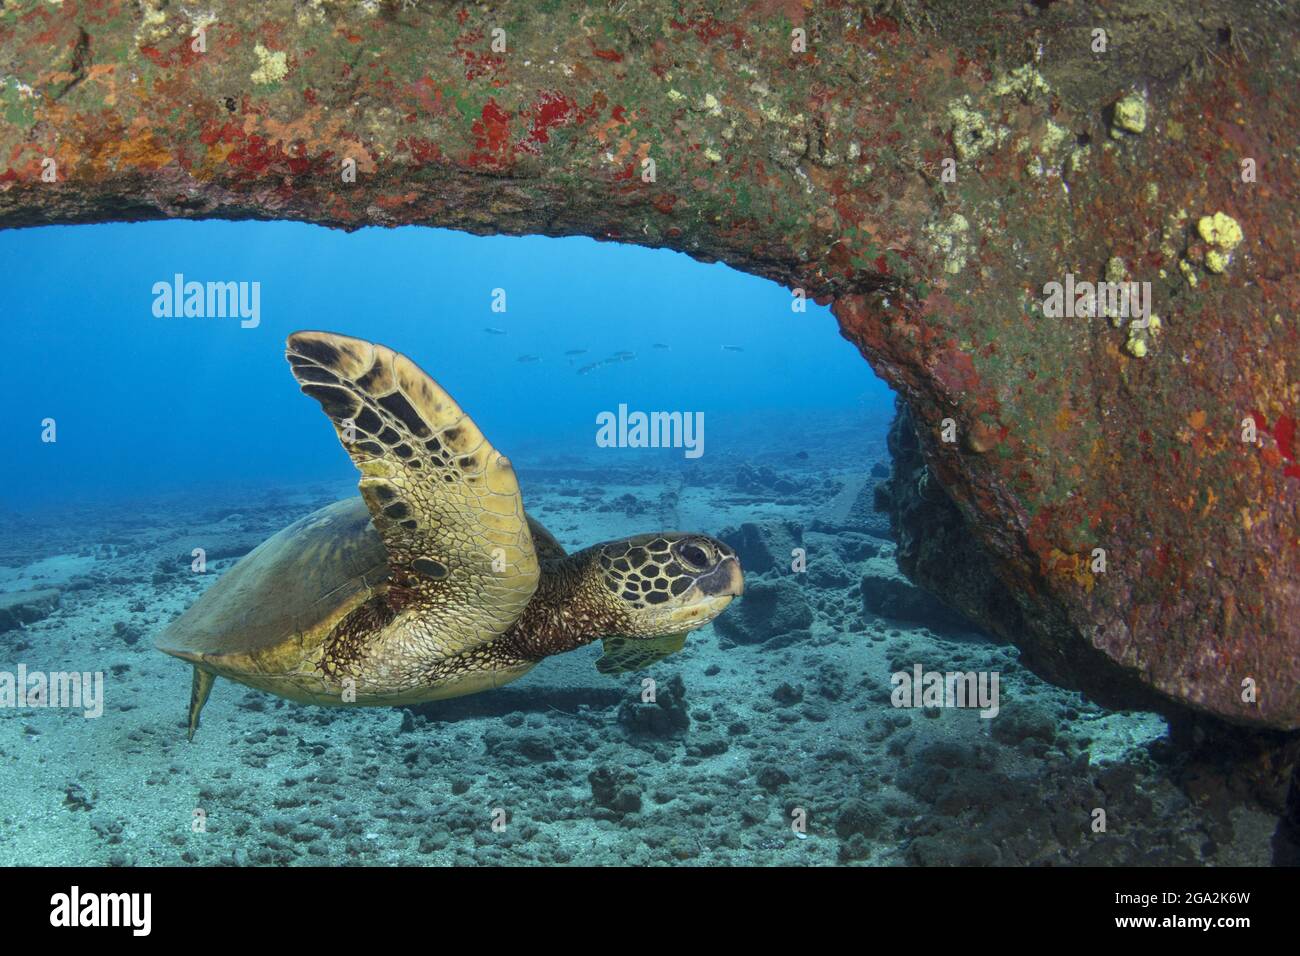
669, 582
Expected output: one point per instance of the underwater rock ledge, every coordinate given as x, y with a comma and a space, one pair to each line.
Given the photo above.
927, 168
937, 551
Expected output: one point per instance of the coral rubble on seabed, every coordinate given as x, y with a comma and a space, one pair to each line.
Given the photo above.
761, 716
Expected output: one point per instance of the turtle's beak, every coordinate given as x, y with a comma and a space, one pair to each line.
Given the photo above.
712, 593
726, 580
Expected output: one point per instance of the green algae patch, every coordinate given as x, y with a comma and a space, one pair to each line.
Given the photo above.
17, 103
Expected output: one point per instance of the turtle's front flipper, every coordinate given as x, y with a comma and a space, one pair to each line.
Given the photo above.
199, 691
444, 501
623, 654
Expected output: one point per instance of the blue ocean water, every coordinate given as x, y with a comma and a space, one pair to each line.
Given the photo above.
774, 735
143, 403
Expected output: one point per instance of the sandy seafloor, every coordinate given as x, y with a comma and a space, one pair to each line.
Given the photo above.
787, 708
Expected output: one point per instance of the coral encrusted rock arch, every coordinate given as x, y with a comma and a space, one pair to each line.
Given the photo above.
927, 168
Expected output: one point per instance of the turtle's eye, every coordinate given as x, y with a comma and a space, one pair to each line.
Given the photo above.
694, 555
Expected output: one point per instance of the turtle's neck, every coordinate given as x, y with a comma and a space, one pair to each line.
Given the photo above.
567, 611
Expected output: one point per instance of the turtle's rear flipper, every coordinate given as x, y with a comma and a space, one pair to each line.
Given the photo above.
199, 691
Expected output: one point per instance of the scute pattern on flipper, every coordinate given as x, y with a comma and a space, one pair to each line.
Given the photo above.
446, 504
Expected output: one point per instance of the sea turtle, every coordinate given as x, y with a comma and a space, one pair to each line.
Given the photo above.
435, 582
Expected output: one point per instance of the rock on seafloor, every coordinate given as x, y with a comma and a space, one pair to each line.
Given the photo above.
18, 608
